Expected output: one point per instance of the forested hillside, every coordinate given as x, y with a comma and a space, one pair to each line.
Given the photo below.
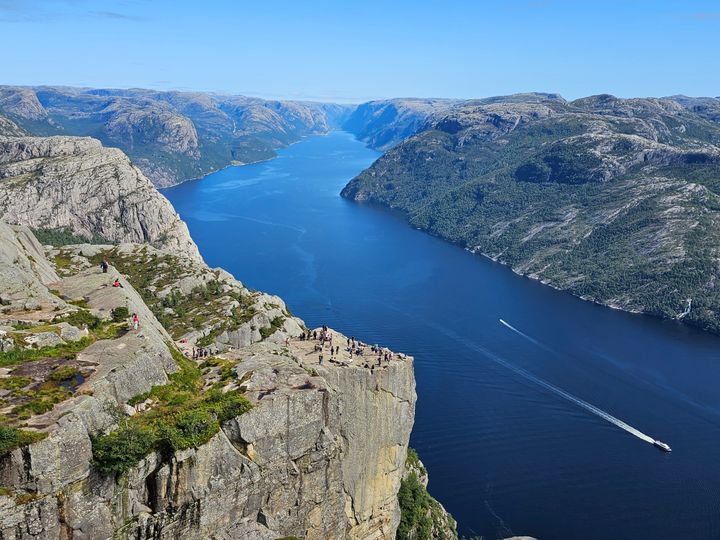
615, 200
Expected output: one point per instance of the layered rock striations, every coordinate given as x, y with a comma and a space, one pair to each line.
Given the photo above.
77, 184
271, 442
615, 200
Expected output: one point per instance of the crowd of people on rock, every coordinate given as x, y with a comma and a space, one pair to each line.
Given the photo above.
354, 348
203, 352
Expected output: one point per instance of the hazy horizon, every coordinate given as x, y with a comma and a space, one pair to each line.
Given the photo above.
352, 53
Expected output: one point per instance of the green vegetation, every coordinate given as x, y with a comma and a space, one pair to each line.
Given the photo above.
120, 314
182, 416
565, 197
179, 313
275, 325
11, 438
64, 237
421, 516
413, 461
67, 351
64, 373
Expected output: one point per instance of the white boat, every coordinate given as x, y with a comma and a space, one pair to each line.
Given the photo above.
663, 446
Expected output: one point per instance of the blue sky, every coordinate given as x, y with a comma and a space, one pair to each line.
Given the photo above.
355, 51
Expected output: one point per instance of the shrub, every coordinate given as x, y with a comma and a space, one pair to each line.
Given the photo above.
120, 450
11, 438
82, 318
120, 314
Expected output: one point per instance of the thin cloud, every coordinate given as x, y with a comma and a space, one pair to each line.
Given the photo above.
117, 16
44, 10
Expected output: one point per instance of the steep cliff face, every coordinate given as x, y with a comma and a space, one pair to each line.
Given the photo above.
102, 436
77, 184
615, 200
171, 136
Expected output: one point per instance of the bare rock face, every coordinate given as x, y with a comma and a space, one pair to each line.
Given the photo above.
76, 183
319, 456
8, 128
22, 103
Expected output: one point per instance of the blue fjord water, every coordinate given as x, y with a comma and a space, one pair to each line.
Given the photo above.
507, 453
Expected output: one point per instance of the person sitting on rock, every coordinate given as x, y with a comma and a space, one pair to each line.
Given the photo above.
117, 283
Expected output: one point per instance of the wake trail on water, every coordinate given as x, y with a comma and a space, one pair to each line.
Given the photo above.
567, 395
518, 332
529, 376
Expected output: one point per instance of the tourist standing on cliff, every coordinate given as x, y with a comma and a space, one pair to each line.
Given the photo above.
104, 266
135, 321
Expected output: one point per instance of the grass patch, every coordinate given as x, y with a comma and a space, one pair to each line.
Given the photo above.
12, 438
66, 350
182, 417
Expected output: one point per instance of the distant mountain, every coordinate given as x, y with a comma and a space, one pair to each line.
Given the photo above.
616, 200
382, 124
171, 136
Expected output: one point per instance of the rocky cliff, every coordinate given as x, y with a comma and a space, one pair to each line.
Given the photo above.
615, 200
111, 431
76, 184
171, 136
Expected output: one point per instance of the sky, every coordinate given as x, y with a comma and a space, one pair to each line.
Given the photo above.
353, 51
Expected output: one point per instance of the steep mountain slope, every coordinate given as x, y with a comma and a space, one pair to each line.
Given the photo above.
76, 184
8, 128
110, 431
171, 136
615, 200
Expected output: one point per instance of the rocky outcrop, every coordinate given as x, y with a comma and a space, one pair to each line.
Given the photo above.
170, 136
77, 184
320, 455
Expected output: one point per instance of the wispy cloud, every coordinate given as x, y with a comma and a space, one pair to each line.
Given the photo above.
117, 16
43, 10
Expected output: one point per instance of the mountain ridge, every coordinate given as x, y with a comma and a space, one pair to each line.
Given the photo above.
605, 197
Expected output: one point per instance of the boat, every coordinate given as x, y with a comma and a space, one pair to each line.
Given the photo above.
662, 446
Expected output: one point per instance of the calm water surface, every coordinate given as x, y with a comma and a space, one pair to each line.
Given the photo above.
506, 454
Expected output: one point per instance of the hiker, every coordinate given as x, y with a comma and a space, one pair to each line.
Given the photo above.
135, 320
117, 283
104, 266
321, 359
194, 354
314, 334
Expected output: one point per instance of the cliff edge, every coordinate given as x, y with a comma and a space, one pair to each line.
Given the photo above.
213, 420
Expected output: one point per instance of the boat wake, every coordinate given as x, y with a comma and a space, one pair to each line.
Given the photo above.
567, 395
518, 332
